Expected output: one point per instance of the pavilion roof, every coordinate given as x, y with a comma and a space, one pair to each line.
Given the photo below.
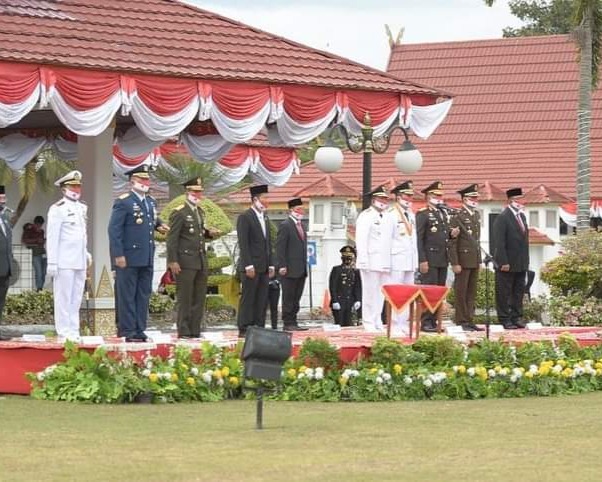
171, 38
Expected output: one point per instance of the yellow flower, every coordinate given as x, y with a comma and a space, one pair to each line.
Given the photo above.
373, 370
153, 377
483, 376
291, 372
544, 370
529, 375
562, 363
174, 377
461, 369
190, 381
343, 380
217, 374
497, 369
183, 366
233, 381
225, 371
397, 368
598, 365
302, 369
567, 372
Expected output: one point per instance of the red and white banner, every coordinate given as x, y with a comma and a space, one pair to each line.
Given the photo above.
86, 102
568, 212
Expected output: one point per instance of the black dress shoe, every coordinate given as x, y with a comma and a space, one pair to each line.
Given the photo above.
509, 326
132, 339
242, 334
429, 329
471, 327
519, 324
295, 328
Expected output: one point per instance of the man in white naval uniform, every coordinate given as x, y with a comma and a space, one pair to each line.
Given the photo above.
68, 258
404, 251
373, 239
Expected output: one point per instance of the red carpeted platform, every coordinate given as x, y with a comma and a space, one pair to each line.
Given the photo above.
18, 357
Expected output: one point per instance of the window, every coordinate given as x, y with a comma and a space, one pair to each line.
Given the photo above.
318, 213
534, 219
551, 219
481, 218
337, 212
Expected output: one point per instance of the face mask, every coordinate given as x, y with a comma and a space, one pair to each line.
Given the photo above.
193, 198
347, 260
435, 201
138, 186
405, 203
471, 203
518, 206
380, 205
297, 215
259, 205
73, 195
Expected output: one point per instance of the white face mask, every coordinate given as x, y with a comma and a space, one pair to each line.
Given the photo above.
258, 205
471, 203
435, 201
74, 196
516, 205
192, 199
381, 205
138, 186
405, 204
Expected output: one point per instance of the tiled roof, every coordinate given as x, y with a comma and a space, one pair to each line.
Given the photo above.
327, 186
513, 122
537, 237
544, 195
514, 118
168, 37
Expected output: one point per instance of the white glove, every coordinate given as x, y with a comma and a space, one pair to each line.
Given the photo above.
51, 270
357, 305
336, 306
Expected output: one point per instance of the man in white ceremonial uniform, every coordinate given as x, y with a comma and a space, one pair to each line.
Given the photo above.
404, 250
373, 239
68, 257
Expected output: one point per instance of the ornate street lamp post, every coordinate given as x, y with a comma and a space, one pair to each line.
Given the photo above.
329, 158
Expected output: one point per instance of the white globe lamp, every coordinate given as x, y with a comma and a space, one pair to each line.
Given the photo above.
408, 159
328, 159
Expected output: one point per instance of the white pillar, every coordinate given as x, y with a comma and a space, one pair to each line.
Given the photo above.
95, 156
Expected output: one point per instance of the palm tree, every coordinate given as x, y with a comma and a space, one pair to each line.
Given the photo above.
39, 173
587, 34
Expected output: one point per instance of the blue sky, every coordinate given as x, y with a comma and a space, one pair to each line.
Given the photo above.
355, 28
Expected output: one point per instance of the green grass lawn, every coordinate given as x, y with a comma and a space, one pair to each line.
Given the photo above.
532, 439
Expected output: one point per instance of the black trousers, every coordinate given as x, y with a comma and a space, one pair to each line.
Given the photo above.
4, 283
292, 289
273, 298
434, 276
509, 292
253, 301
191, 291
343, 316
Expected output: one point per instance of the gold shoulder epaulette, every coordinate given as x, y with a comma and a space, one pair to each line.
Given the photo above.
124, 196
423, 209
177, 208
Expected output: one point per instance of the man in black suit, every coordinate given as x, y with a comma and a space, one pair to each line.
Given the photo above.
291, 256
255, 266
511, 254
345, 288
6, 250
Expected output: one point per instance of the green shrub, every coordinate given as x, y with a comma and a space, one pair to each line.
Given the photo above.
573, 309
318, 352
31, 303
388, 352
214, 302
440, 350
160, 303
489, 353
579, 269
481, 296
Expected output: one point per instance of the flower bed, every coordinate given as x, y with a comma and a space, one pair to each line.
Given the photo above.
434, 368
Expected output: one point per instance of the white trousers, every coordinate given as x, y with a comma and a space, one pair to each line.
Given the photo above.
372, 298
400, 319
68, 286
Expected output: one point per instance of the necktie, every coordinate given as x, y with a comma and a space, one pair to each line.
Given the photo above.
520, 222
300, 229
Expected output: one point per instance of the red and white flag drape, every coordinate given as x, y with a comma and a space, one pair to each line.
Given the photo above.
87, 101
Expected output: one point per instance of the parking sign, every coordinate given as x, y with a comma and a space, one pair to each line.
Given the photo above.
312, 254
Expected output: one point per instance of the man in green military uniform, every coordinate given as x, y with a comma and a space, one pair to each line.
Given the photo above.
433, 233
187, 259
465, 257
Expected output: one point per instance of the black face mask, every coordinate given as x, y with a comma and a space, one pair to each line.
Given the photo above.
347, 261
